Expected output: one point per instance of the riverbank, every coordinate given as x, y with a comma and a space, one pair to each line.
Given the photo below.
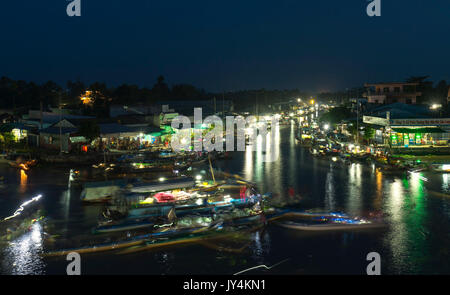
442, 159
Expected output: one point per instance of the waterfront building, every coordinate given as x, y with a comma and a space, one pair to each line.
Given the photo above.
420, 133
122, 137
392, 92
410, 127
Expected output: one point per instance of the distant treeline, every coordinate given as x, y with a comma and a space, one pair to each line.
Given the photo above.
21, 95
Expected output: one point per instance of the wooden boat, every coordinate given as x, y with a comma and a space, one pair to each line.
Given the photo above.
160, 238
103, 191
123, 227
273, 214
197, 207
163, 233
163, 185
149, 166
197, 237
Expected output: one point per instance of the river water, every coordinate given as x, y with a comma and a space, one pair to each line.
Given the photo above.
416, 241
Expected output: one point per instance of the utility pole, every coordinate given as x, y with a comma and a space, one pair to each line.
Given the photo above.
357, 121
60, 128
256, 104
41, 113
223, 105
388, 127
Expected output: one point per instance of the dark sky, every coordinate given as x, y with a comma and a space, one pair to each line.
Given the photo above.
313, 45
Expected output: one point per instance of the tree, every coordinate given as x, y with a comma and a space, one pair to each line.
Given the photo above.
50, 93
425, 87
89, 130
369, 133
6, 139
185, 91
441, 92
126, 94
335, 115
160, 89
75, 90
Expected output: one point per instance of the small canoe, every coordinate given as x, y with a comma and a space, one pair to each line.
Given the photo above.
286, 213
330, 226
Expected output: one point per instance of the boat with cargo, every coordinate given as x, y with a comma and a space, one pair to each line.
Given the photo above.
104, 191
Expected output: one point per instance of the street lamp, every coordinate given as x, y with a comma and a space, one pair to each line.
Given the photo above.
435, 106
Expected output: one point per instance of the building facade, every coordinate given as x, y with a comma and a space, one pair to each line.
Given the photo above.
392, 92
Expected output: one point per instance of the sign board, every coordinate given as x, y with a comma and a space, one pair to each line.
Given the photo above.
77, 139
375, 120
421, 122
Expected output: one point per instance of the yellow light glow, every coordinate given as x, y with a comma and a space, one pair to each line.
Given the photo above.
86, 98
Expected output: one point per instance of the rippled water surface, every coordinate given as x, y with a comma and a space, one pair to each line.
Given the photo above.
416, 241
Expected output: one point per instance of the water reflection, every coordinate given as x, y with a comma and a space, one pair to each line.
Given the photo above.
354, 202
23, 255
445, 178
248, 160
23, 181
398, 233
378, 201
330, 192
416, 221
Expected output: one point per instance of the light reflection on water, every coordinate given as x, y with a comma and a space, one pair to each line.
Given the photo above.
415, 240
23, 181
354, 202
445, 186
330, 192
22, 256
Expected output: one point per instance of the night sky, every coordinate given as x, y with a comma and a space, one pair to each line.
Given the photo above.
315, 45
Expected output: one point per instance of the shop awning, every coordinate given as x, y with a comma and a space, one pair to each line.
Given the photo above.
419, 130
